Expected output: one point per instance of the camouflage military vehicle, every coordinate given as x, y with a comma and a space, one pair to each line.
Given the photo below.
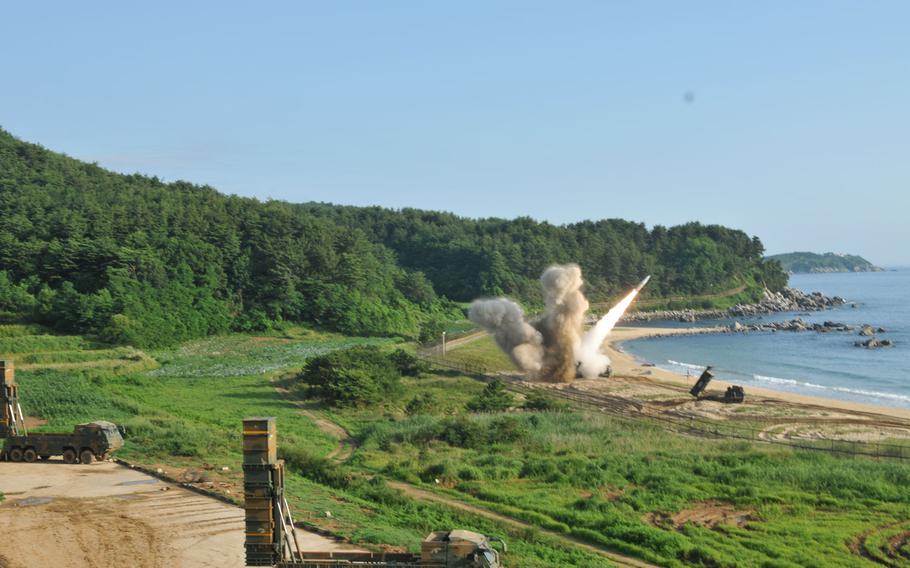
441, 549
459, 549
87, 443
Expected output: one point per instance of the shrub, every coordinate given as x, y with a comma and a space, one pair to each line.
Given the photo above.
408, 364
470, 473
441, 470
507, 429
493, 398
424, 403
357, 376
431, 331
540, 401
462, 433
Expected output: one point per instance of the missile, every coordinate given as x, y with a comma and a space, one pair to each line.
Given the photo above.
642, 283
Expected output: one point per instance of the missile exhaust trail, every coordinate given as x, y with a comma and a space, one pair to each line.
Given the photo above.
592, 361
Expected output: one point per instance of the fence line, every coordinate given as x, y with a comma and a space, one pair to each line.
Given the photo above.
630, 409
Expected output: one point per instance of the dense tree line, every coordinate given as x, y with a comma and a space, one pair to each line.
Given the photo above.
464, 258
136, 260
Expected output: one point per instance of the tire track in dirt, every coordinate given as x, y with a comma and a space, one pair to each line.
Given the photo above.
346, 444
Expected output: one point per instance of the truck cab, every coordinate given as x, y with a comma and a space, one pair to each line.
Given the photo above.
459, 549
101, 436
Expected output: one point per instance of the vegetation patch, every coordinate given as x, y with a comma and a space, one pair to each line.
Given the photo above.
357, 376
621, 484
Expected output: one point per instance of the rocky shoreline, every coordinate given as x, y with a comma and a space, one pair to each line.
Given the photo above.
798, 325
787, 300
794, 325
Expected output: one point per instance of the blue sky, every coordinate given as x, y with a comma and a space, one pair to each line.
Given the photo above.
789, 120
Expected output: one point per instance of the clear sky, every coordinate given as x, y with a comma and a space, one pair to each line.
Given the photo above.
787, 119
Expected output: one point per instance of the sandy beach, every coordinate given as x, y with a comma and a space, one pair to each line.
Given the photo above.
626, 367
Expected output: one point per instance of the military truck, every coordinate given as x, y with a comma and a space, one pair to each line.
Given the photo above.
734, 394
85, 444
272, 541
441, 549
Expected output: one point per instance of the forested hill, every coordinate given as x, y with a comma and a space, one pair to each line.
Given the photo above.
467, 257
809, 262
135, 260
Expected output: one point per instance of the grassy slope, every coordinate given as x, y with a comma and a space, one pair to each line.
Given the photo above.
483, 352
186, 413
589, 475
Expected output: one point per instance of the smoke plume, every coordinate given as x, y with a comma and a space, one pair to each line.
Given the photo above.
506, 321
553, 347
562, 321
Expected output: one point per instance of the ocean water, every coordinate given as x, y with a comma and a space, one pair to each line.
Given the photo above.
817, 364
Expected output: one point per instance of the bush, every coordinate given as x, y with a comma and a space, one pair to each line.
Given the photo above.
424, 403
507, 429
540, 401
357, 376
314, 468
408, 364
493, 398
462, 433
431, 331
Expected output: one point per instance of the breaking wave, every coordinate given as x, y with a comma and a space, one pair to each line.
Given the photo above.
845, 390
686, 365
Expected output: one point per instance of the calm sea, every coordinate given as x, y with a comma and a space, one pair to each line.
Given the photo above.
825, 365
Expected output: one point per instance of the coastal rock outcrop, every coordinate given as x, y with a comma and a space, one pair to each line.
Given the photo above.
874, 343
796, 325
787, 300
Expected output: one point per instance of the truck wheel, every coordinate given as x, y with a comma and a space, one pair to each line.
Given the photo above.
86, 457
69, 455
15, 455
30, 455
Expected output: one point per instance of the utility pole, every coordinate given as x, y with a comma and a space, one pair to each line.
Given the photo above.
443, 344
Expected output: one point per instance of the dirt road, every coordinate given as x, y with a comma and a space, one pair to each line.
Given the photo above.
425, 495
107, 516
347, 445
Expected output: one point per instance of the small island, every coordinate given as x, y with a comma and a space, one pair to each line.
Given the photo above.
810, 262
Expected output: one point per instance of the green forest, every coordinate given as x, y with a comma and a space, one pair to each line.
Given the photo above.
131, 259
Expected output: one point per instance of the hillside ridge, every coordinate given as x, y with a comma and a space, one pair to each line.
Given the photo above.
810, 262
131, 259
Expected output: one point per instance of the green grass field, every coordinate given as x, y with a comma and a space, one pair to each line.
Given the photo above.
481, 352
185, 413
627, 486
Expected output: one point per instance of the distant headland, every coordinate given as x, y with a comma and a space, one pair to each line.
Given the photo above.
810, 262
